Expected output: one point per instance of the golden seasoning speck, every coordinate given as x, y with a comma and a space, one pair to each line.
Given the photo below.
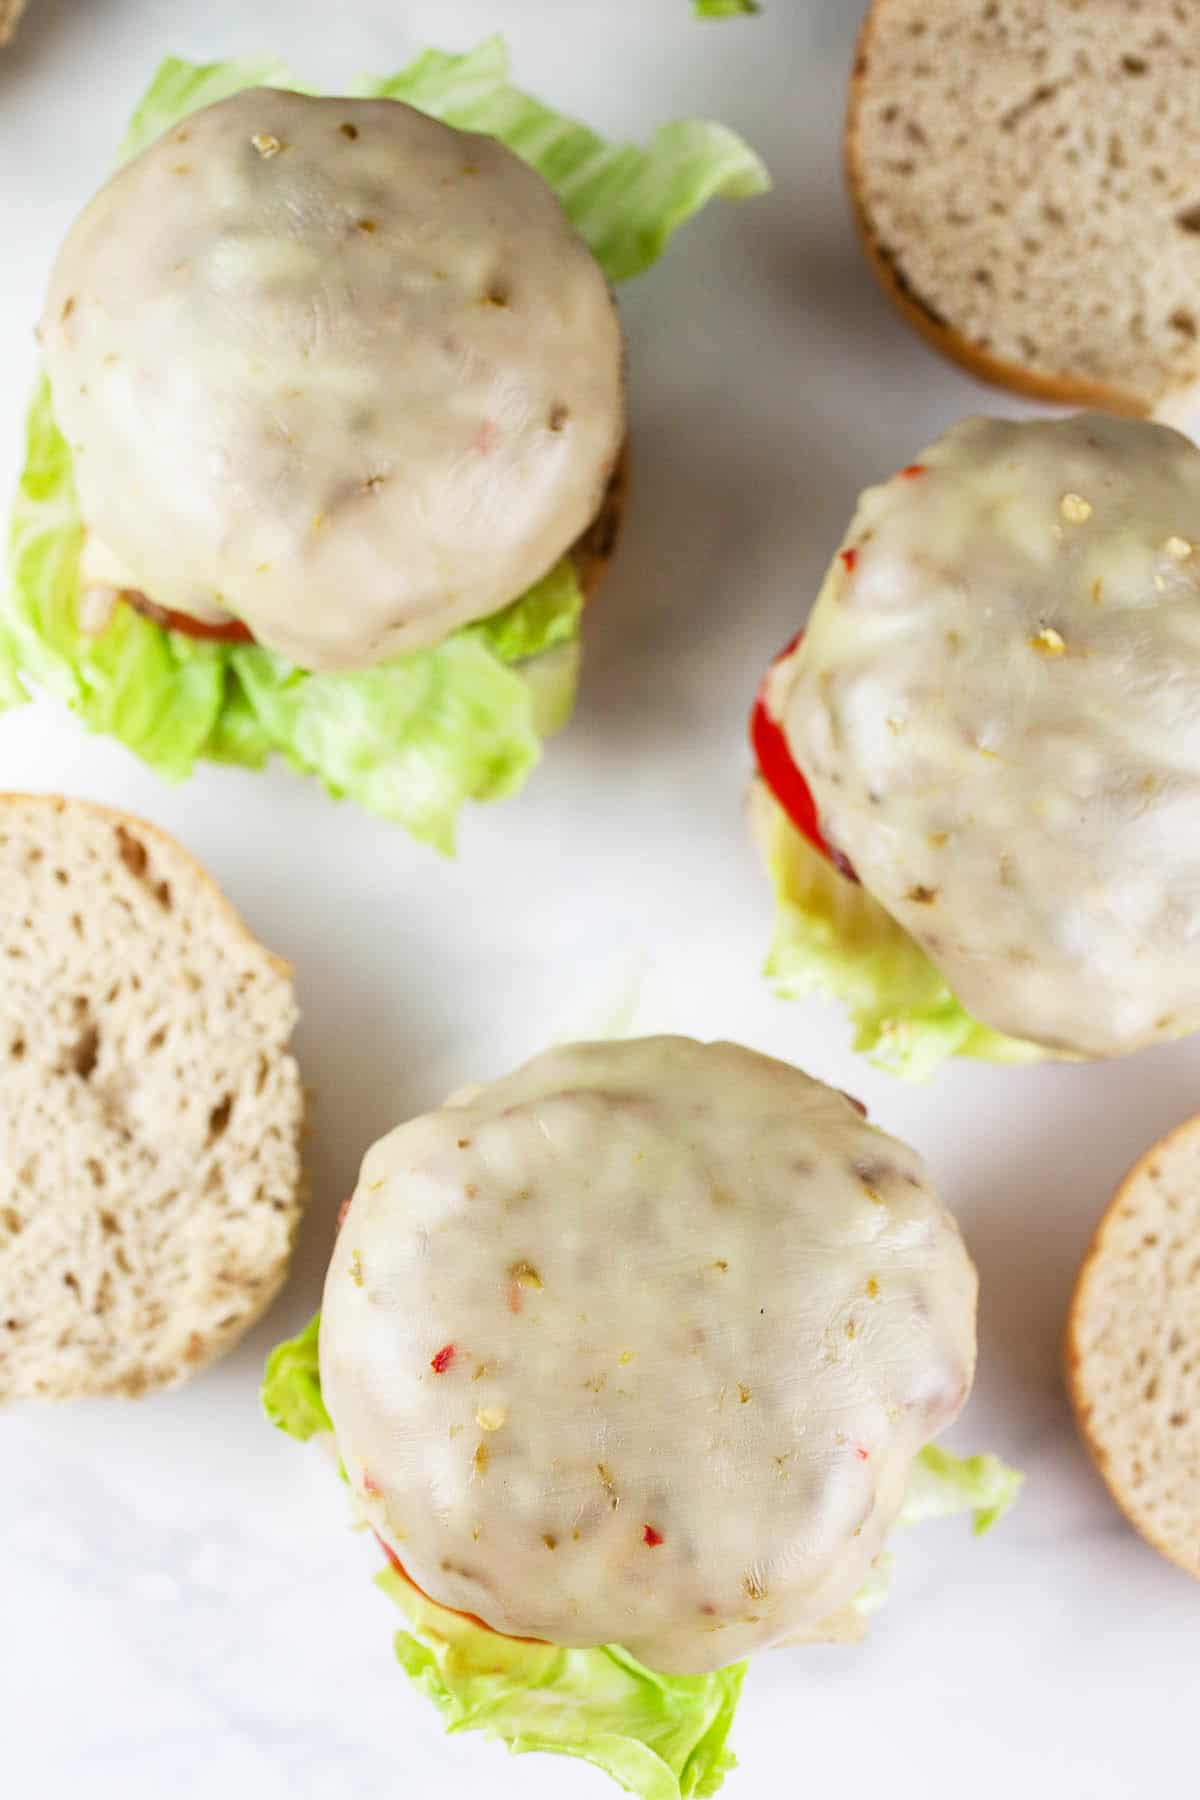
872, 1289
609, 1486
356, 1269
743, 1393
720, 1265
480, 1458
550, 1541
490, 1418
525, 1275
625, 1357
1075, 509
851, 1328
1178, 548
481, 1369
373, 1187
1048, 642
267, 144
753, 1585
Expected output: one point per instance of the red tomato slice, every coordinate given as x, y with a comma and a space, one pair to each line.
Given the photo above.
784, 779
231, 631
472, 1618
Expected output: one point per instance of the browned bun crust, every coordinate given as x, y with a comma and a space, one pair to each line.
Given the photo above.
1132, 1348
1067, 390
10, 13
594, 550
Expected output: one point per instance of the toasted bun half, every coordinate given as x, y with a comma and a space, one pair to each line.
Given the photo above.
150, 1113
1026, 181
1133, 1347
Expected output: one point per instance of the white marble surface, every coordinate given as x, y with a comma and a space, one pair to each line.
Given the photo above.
182, 1609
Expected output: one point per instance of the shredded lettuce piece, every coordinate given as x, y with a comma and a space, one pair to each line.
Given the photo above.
662, 1737
291, 1389
625, 202
724, 9
179, 87
942, 1485
832, 937
414, 739
658, 1736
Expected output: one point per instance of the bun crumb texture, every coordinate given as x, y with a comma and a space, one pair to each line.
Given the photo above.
150, 1113
1026, 179
1133, 1347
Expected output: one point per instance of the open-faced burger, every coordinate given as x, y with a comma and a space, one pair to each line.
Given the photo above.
979, 764
632, 1360
332, 449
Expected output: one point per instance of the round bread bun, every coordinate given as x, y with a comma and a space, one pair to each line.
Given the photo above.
335, 369
150, 1113
637, 1344
1133, 1347
1024, 177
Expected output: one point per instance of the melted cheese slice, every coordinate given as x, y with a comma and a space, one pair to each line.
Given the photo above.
637, 1345
335, 368
996, 704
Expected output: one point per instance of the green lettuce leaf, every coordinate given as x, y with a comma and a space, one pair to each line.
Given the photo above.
180, 87
662, 1737
416, 738
942, 1485
724, 9
291, 1389
412, 740
658, 1736
832, 937
625, 202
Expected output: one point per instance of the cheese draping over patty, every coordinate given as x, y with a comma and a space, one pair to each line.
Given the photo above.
336, 369
637, 1345
996, 705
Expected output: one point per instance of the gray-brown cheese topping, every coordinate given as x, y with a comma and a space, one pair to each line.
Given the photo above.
996, 705
637, 1344
336, 368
